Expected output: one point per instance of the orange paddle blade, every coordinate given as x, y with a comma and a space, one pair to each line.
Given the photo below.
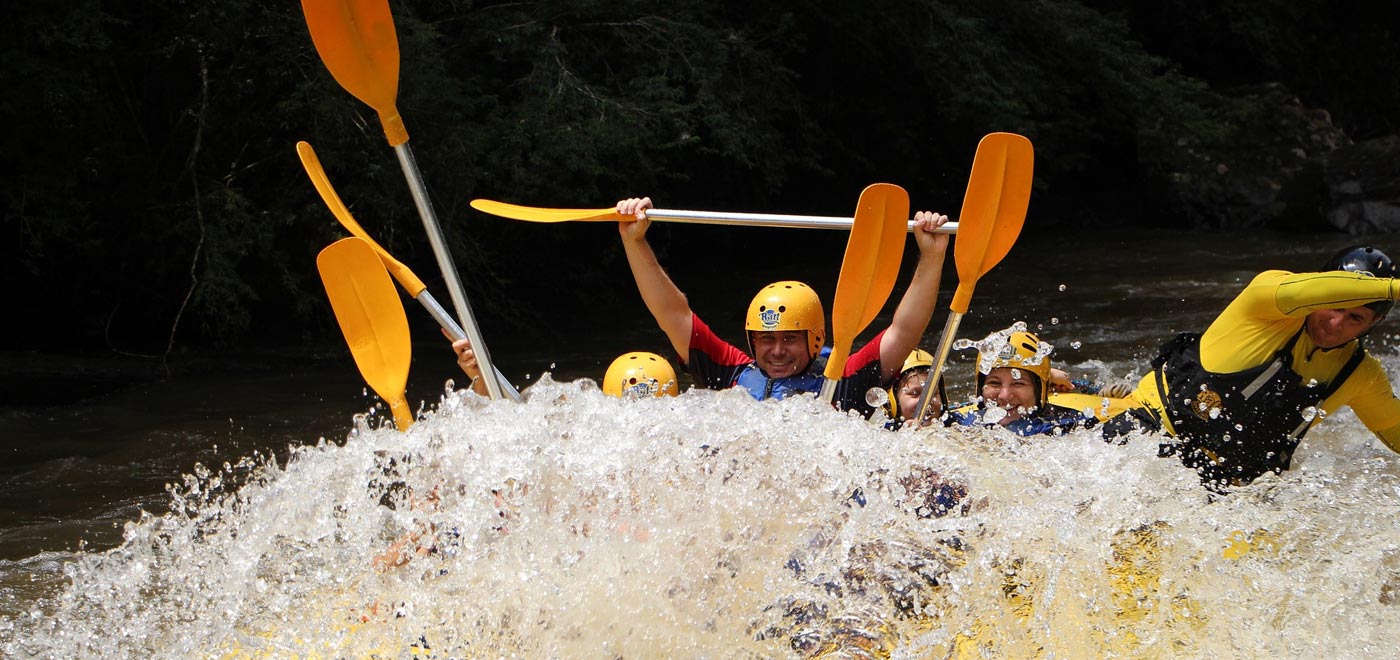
312, 165
369, 312
869, 269
356, 40
994, 209
538, 214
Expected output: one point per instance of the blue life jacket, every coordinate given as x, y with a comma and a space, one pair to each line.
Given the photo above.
761, 387
1049, 420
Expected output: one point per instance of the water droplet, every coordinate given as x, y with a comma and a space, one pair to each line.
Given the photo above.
876, 397
1075, 344
1054, 320
994, 414
1214, 413
1063, 287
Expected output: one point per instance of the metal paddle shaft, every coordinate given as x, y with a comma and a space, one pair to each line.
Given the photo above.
449, 271
868, 272
367, 307
728, 218
406, 277
993, 211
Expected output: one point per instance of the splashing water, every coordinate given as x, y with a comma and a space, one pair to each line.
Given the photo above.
997, 346
575, 525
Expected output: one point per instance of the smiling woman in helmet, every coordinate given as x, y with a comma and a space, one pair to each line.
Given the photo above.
1014, 381
1285, 354
785, 324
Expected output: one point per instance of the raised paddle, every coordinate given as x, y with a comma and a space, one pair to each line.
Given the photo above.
356, 40
370, 315
868, 272
546, 215
407, 279
993, 210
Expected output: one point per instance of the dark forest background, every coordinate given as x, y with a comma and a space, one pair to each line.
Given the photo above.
153, 200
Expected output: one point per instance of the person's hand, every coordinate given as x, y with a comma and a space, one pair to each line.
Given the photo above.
1121, 389
1060, 382
637, 208
466, 358
925, 222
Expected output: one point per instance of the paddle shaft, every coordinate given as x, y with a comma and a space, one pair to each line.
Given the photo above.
940, 357
455, 332
444, 260
769, 220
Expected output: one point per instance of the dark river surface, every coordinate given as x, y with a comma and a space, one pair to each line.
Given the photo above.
77, 469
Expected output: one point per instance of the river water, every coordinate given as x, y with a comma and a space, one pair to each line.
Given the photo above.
241, 513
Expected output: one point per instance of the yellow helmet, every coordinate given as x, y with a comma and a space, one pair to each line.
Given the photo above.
788, 306
918, 359
1022, 350
640, 374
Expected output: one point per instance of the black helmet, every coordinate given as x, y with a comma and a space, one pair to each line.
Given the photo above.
1365, 259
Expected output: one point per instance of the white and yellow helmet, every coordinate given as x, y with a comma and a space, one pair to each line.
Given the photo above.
640, 374
1022, 350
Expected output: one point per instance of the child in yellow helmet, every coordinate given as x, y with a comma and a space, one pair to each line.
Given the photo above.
908, 389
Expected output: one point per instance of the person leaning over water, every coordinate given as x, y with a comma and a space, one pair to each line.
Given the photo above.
1014, 380
785, 324
1285, 353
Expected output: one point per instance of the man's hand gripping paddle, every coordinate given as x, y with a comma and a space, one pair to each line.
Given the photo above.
370, 315
357, 42
868, 272
994, 208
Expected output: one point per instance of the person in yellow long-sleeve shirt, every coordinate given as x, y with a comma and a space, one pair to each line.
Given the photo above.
1284, 354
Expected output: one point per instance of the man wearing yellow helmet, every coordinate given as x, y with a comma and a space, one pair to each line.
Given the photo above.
785, 323
1014, 381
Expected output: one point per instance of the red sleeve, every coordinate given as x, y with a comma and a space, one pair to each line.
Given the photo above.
713, 362
867, 355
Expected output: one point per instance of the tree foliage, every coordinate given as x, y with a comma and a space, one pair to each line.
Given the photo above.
153, 198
